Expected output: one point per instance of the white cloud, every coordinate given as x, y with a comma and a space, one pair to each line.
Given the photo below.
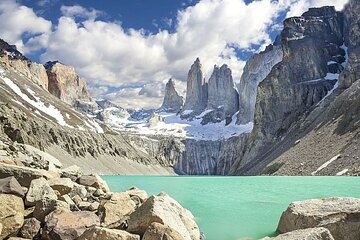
79, 11
298, 7
111, 57
17, 20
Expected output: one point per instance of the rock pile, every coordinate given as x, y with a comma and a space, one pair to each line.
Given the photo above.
39, 203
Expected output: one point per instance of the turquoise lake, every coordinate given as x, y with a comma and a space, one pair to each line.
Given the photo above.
234, 208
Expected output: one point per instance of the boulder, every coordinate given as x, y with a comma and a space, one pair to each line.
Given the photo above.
39, 189
94, 181
46, 206
107, 234
94, 206
141, 194
30, 228
11, 215
73, 172
69, 225
18, 238
63, 185
115, 211
24, 175
84, 205
305, 234
165, 210
158, 231
340, 215
78, 190
10, 185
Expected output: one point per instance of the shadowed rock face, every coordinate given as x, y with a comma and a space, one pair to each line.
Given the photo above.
196, 91
65, 84
222, 92
255, 70
297, 83
173, 102
352, 41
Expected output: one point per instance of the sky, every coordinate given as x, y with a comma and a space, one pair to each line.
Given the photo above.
127, 50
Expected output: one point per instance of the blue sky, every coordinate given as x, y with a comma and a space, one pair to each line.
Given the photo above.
127, 50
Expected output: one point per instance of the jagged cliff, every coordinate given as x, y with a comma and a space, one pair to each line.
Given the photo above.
288, 99
196, 91
65, 84
173, 102
255, 70
222, 91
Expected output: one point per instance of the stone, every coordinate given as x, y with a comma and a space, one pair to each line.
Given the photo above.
30, 228
63, 185
96, 233
341, 216
172, 102
196, 91
94, 181
141, 194
39, 189
115, 211
11, 214
46, 206
10, 185
94, 206
77, 199
18, 238
79, 190
305, 234
73, 172
165, 210
69, 225
68, 200
29, 212
65, 84
24, 175
84, 205
158, 231
222, 91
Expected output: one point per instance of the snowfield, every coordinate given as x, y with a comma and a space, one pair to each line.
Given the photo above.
170, 124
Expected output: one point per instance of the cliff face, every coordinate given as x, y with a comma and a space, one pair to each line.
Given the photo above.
11, 57
173, 102
255, 70
312, 46
196, 91
65, 84
222, 92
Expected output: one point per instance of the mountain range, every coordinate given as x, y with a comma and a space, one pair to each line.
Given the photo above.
296, 111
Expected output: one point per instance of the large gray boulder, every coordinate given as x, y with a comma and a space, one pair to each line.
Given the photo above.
115, 211
30, 228
96, 233
11, 215
305, 234
62, 185
158, 231
10, 185
69, 225
164, 210
38, 190
340, 215
222, 91
173, 102
46, 206
24, 175
196, 91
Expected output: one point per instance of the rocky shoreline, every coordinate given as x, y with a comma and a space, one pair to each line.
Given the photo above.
43, 201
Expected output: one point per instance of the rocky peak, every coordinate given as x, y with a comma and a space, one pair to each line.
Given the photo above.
65, 84
12, 58
222, 91
173, 102
196, 92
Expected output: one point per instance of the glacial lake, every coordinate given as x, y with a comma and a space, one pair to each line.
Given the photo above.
234, 208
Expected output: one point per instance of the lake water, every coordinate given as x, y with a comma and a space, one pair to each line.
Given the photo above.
233, 208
